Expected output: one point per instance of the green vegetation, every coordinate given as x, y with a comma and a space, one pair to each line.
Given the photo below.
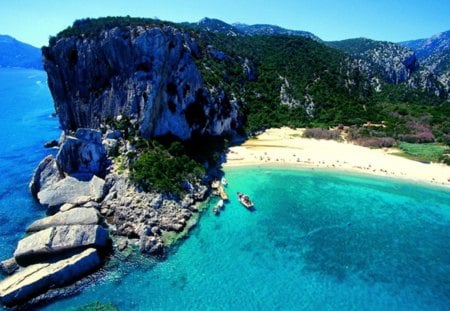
90, 27
355, 46
321, 88
165, 169
424, 152
320, 85
314, 75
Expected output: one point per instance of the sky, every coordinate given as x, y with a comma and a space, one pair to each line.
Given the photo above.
33, 21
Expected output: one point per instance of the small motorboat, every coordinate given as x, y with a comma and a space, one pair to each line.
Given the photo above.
245, 200
218, 207
224, 182
220, 204
216, 210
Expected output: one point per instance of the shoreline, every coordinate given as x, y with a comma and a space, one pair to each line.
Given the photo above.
285, 147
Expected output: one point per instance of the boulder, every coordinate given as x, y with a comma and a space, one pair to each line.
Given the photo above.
83, 153
46, 173
58, 241
74, 216
111, 146
113, 134
89, 135
72, 190
151, 245
37, 279
9, 266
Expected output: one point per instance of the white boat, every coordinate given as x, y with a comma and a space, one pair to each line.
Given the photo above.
220, 204
245, 200
218, 207
224, 182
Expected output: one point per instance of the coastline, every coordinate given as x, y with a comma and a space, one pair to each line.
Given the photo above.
285, 147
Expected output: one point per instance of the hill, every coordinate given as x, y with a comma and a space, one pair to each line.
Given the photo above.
267, 80
14, 53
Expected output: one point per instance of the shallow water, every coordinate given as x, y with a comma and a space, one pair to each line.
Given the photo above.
316, 241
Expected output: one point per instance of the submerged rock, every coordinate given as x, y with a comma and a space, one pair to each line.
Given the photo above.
56, 241
74, 216
72, 190
37, 279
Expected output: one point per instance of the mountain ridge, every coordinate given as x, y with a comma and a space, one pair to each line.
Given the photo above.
14, 53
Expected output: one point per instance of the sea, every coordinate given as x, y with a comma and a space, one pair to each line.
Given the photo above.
317, 239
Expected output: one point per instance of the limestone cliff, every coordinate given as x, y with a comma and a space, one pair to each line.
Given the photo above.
145, 73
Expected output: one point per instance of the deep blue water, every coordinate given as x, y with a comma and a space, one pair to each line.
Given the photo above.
25, 125
317, 240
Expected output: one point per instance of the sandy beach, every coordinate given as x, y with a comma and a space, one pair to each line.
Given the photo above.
286, 146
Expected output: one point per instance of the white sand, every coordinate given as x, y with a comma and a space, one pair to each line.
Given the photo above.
285, 146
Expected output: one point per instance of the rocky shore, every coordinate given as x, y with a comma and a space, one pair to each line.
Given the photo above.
93, 211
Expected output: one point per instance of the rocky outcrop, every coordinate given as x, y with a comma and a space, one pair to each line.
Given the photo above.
9, 266
427, 47
74, 216
37, 279
45, 174
73, 191
391, 62
83, 154
55, 241
147, 216
146, 74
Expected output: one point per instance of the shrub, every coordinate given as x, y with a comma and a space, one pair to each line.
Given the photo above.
319, 133
376, 142
420, 138
160, 170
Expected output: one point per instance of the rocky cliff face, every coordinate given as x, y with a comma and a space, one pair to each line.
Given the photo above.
434, 57
391, 62
426, 47
147, 74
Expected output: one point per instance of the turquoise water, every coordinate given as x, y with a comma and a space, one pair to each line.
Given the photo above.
316, 241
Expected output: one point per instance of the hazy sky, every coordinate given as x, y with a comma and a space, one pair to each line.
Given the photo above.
33, 21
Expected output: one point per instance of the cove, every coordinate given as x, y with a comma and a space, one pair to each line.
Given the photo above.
317, 241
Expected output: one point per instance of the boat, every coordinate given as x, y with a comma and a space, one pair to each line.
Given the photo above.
216, 210
223, 195
245, 200
218, 207
220, 204
224, 182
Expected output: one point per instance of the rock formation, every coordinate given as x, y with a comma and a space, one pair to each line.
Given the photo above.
147, 74
74, 216
72, 190
37, 279
59, 240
